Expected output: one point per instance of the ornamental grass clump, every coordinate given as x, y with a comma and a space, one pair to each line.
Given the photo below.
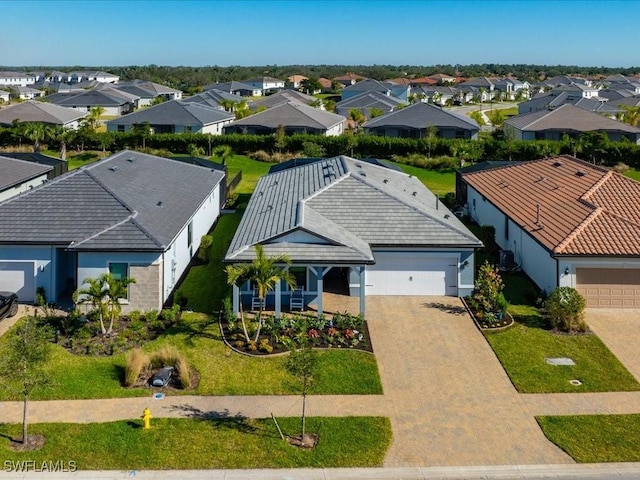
136, 362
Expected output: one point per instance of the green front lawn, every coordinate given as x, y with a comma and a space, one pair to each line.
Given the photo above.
635, 174
595, 438
206, 444
222, 371
523, 348
439, 182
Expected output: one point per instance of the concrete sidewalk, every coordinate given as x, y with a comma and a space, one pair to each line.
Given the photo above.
502, 472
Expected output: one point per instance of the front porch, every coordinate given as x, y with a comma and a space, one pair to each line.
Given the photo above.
321, 290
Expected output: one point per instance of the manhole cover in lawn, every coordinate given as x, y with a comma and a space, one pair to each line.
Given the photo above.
158, 396
575, 383
560, 361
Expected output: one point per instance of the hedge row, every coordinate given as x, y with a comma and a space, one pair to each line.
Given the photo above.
592, 147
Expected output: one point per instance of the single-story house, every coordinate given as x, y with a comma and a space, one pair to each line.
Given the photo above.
364, 228
414, 120
115, 102
284, 96
17, 176
27, 93
58, 166
349, 78
567, 119
367, 101
175, 116
147, 92
4, 96
130, 214
41, 112
567, 223
293, 117
236, 88
370, 85
215, 98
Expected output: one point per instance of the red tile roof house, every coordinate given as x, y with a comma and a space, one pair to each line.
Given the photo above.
567, 222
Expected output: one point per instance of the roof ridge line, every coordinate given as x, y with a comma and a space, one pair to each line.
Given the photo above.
576, 231
95, 179
596, 186
104, 230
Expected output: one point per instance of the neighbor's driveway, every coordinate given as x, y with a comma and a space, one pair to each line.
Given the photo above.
619, 330
451, 403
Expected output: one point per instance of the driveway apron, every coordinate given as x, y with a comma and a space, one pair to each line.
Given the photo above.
618, 329
450, 401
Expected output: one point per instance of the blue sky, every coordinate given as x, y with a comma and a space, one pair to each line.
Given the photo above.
285, 32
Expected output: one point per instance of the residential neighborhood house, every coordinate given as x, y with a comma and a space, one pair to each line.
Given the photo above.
567, 223
365, 228
17, 176
131, 214
41, 112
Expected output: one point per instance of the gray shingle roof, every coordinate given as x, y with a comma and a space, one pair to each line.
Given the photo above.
34, 111
14, 172
153, 88
283, 97
291, 115
108, 97
349, 205
213, 98
174, 112
419, 115
129, 201
230, 87
370, 100
368, 85
567, 117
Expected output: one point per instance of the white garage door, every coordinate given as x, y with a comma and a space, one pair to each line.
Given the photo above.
407, 274
18, 277
609, 287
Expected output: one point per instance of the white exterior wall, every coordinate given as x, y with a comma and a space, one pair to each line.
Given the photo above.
112, 111
21, 81
179, 254
23, 187
532, 257
4, 96
216, 128
43, 265
335, 130
573, 263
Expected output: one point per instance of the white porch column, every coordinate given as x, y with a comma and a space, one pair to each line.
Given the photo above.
236, 299
362, 289
320, 273
278, 299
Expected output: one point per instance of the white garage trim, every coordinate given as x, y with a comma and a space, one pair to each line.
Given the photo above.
609, 287
412, 273
19, 277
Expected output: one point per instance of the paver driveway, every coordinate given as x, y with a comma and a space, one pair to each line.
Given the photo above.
451, 402
618, 329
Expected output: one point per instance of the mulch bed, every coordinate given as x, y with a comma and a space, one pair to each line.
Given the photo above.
506, 321
231, 338
34, 442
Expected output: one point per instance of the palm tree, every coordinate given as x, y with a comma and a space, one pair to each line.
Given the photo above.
116, 290
630, 114
223, 152
227, 104
93, 119
265, 272
62, 136
36, 132
357, 117
95, 293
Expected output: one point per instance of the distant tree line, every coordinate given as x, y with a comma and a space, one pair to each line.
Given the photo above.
190, 78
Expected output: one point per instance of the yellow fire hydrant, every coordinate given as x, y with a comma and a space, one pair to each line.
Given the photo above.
146, 418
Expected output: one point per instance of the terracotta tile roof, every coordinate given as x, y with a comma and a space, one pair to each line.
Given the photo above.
568, 205
349, 76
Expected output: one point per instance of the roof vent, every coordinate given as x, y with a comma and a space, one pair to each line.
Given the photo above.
114, 168
447, 216
362, 173
386, 180
557, 164
159, 203
131, 159
414, 194
581, 173
358, 165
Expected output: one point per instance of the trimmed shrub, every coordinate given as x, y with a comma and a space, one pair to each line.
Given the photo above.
205, 244
167, 356
183, 372
566, 307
